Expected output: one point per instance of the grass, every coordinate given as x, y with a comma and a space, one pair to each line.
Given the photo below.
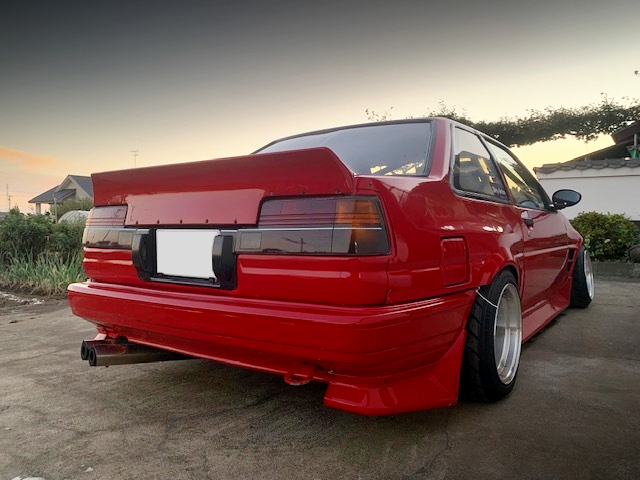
47, 274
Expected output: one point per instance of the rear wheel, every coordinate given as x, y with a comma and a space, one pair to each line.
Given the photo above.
494, 341
583, 286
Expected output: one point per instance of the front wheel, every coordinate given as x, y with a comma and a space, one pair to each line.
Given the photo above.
494, 341
583, 286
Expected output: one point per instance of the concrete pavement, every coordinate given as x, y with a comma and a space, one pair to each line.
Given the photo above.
574, 413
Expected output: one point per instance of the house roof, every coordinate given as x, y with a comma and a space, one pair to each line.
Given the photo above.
53, 196
85, 183
57, 194
614, 156
588, 163
626, 133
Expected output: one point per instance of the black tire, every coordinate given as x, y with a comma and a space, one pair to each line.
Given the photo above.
583, 286
480, 378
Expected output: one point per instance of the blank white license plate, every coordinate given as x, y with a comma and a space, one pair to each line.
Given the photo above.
185, 253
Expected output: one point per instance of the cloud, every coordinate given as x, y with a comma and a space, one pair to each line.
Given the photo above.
26, 159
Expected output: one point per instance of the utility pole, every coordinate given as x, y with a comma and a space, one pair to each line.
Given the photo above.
135, 157
8, 197
55, 208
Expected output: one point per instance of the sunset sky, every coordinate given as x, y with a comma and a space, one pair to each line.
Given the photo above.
83, 83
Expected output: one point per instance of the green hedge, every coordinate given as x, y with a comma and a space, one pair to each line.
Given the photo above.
607, 237
33, 235
39, 256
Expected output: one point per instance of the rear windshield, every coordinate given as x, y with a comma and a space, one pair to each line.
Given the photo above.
389, 149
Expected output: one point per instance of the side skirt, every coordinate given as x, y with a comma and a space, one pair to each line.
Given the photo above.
534, 319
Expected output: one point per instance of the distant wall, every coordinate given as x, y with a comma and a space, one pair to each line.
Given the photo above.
605, 190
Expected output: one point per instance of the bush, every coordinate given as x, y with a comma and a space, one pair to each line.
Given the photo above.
68, 205
38, 255
24, 234
606, 237
66, 239
34, 235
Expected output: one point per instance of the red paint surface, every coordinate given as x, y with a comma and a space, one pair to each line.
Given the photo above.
454, 260
220, 190
385, 332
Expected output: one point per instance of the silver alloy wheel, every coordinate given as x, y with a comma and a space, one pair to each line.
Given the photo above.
588, 275
507, 333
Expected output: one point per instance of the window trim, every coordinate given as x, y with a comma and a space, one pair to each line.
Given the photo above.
466, 193
541, 191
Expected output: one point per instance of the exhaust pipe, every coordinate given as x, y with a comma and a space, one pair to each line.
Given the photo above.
102, 353
87, 345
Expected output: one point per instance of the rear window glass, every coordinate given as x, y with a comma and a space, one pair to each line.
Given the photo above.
391, 149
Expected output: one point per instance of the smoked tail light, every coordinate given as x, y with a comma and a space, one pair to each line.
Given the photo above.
352, 225
105, 228
331, 225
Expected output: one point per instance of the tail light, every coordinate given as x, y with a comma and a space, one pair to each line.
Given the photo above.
312, 226
318, 225
105, 228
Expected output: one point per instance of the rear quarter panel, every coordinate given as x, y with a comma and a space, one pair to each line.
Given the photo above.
424, 211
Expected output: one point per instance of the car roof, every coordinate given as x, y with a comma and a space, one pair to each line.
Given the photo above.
442, 120
347, 127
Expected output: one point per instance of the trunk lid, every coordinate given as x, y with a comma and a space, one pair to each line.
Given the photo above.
226, 191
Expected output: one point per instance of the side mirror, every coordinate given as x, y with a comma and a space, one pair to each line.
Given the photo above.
565, 198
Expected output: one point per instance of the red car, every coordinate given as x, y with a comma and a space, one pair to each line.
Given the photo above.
399, 262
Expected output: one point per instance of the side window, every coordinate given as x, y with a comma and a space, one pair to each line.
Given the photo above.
524, 188
473, 169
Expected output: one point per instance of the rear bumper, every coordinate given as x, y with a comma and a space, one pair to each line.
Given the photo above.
377, 360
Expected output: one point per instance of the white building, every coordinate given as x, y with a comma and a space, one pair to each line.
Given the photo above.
609, 179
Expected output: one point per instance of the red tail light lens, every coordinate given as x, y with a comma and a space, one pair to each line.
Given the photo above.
318, 225
104, 228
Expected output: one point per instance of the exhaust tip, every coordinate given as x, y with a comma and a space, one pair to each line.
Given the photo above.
91, 356
84, 351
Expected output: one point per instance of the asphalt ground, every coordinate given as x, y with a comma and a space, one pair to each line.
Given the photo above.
574, 414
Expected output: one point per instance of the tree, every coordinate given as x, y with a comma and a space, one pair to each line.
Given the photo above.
374, 116
584, 123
